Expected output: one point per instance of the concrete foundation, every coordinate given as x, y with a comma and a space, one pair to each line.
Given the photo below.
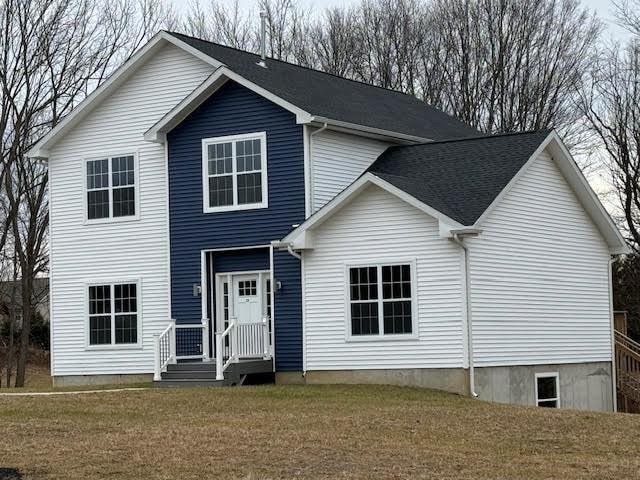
77, 380
583, 386
453, 380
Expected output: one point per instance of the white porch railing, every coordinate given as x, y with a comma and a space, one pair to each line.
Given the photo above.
164, 345
243, 340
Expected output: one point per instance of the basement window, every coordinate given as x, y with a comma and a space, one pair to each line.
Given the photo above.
547, 390
381, 301
234, 172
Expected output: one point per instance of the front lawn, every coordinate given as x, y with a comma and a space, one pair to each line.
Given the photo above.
308, 432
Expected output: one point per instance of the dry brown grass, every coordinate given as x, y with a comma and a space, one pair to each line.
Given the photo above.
308, 432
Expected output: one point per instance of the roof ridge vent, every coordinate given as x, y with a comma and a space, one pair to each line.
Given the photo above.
263, 39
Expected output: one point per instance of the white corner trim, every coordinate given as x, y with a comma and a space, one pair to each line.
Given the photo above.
578, 183
348, 194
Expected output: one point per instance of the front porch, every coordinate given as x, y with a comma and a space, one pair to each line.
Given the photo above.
235, 335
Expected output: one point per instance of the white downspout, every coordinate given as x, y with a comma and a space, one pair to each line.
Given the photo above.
458, 238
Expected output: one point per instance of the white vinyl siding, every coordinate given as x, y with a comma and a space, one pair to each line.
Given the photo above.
539, 277
379, 228
338, 159
95, 253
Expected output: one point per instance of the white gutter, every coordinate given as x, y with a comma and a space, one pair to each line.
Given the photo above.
458, 237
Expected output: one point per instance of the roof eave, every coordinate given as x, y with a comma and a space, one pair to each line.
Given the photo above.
41, 149
299, 237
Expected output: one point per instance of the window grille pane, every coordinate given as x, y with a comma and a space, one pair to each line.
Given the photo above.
124, 202
364, 318
122, 171
220, 159
100, 330
247, 288
364, 283
249, 188
397, 317
126, 328
220, 191
396, 281
248, 155
125, 298
99, 299
548, 404
97, 204
97, 174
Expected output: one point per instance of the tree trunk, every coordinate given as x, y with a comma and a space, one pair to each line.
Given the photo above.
27, 312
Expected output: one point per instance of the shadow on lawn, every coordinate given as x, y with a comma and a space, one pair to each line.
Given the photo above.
9, 474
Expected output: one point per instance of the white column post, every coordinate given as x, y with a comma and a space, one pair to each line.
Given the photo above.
173, 355
265, 337
234, 338
156, 358
219, 372
205, 338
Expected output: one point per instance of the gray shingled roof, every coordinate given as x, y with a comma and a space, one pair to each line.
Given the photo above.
337, 98
459, 178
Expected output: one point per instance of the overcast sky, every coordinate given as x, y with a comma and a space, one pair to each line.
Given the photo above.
602, 7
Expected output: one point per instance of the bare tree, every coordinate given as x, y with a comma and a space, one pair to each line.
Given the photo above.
612, 108
52, 53
219, 23
511, 65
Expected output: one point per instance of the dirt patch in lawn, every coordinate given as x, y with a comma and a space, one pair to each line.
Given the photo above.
308, 432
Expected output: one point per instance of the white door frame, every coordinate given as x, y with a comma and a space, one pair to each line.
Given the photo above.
221, 277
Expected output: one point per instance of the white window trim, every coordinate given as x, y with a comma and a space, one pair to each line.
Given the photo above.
381, 335
262, 136
136, 185
548, 375
87, 323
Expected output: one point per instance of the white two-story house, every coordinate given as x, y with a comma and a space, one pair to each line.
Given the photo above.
214, 216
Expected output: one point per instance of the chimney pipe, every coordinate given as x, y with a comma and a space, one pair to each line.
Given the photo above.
263, 39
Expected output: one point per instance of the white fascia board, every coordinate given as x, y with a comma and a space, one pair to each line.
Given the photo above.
300, 239
41, 149
372, 131
578, 183
207, 88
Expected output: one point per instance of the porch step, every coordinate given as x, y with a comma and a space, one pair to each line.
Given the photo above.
189, 374
190, 382
203, 374
191, 367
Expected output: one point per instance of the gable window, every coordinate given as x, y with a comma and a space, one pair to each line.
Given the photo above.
111, 187
381, 300
113, 314
547, 390
234, 172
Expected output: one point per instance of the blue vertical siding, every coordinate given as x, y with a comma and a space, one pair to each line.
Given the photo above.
236, 110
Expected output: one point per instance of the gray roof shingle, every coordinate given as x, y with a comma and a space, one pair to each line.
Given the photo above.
459, 178
337, 98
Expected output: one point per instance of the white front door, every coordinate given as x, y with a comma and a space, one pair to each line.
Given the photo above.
247, 298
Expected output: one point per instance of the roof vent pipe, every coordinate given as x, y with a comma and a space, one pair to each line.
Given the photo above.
263, 39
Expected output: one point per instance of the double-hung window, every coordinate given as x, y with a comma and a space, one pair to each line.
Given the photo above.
234, 172
381, 300
113, 314
111, 188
